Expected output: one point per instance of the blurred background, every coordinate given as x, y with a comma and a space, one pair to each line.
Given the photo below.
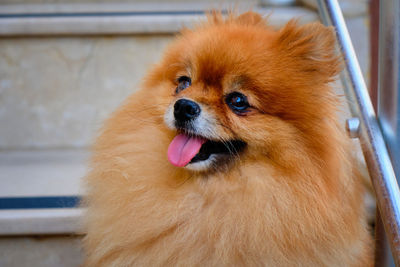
64, 67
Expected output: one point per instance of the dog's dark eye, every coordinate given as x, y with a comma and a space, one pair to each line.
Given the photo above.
183, 83
237, 102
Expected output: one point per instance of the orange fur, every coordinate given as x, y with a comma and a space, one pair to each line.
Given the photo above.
291, 198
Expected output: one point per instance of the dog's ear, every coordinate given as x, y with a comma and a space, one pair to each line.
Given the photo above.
313, 45
250, 18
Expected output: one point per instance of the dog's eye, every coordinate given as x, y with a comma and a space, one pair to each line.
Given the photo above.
237, 102
183, 83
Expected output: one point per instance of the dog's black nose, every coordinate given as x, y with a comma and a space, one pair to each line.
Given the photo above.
186, 110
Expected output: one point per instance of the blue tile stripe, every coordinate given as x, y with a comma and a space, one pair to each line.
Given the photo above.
39, 202
97, 14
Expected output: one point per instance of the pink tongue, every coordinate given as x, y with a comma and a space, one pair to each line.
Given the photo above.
183, 148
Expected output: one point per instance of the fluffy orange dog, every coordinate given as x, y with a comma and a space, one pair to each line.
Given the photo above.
230, 155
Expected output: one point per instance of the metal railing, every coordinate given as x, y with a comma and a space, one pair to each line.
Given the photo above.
375, 147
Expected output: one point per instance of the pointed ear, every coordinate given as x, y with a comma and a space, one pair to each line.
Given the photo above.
250, 18
313, 45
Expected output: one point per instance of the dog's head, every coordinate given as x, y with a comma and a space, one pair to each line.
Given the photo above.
237, 88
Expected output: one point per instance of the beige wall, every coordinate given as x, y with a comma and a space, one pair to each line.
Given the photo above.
55, 91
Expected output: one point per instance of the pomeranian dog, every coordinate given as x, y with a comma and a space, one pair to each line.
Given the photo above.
230, 154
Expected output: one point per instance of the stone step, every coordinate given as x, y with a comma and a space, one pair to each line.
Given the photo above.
43, 251
42, 172
35, 186
128, 7
118, 22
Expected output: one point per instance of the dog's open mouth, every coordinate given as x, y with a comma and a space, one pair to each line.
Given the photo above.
185, 149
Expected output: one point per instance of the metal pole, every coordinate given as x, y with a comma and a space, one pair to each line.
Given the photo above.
383, 254
372, 142
389, 78
388, 86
